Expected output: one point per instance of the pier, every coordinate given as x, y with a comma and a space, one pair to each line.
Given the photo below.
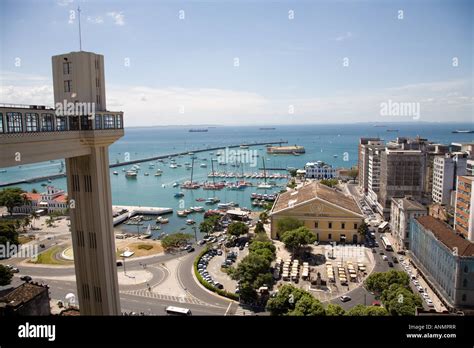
121, 164
133, 210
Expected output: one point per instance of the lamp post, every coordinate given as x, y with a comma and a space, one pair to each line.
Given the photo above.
195, 233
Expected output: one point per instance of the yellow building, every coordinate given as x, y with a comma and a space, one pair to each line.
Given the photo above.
326, 211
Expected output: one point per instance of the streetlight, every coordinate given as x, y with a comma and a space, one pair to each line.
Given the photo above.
195, 233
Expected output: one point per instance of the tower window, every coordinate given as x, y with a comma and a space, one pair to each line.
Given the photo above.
66, 68
67, 86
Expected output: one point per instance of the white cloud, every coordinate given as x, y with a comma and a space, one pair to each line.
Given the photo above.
119, 17
343, 37
96, 19
444, 101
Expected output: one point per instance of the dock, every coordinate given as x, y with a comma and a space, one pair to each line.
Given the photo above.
137, 210
141, 160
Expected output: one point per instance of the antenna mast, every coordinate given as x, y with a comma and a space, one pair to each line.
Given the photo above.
80, 36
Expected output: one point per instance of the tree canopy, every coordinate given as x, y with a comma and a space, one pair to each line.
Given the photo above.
361, 310
259, 228
329, 182
237, 228
294, 302
298, 238
287, 224
175, 240
12, 197
209, 224
379, 281
399, 300
8, 232
5, 275
363, 229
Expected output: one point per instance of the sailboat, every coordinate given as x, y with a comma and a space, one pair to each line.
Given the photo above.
190, 185
264, 185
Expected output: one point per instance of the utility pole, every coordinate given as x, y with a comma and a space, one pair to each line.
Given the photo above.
195, 233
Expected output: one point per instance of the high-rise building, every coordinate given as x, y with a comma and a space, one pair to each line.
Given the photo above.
445, 170
464, 208
403, 210
470, 167
363, 162
402, 173
373, 177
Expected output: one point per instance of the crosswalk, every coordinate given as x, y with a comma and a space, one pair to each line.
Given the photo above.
181, 299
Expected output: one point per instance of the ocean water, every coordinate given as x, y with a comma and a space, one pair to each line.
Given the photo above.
333, 144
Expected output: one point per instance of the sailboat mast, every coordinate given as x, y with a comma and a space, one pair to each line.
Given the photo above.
192, 169
213, 174
264, 171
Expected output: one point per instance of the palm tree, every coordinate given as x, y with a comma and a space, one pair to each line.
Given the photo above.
34, 216
26, 222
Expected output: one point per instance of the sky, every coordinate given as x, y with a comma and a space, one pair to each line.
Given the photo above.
252, 62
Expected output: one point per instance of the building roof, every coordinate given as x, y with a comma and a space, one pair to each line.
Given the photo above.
33, 196
23, 293
60, 199
409, 204
446, 235
312, 191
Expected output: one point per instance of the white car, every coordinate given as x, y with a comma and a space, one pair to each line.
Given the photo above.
385, 258
429, 302
415, 282
419, 288
426, 296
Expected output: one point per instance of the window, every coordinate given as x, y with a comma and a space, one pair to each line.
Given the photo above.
466, 269
61, 124
32, 123
86, 123
109, 121
316, 225
67, 68
464, 283
47, 123
355, 226
464, 298
67, 86
329, 224
98, 121
329, 236
14, 124
343, 225
74, 123
1, 122
119, 121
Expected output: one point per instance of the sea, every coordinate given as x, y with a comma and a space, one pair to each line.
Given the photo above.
333, 144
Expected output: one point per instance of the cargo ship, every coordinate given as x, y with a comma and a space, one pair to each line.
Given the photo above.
194, 130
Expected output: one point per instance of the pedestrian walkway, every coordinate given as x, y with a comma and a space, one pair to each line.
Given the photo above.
147, 293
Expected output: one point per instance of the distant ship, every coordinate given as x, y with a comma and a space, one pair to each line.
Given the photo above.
267, 128
380, 125
392, 130
463, 131
193, 130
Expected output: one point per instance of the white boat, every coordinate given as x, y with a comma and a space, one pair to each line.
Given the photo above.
115, 173
176, 184
173, 165
197, 209
162, 220
146, 174
131, 174
264, 186
158, 173
190, 222
203, 165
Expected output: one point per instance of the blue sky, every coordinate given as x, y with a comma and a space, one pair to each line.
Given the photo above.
290, 70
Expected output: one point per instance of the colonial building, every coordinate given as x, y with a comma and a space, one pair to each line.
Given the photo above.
445, 259
319, 170
403, 210
26, 299
53, 200
327, 212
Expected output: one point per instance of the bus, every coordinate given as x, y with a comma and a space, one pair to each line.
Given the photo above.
383, 226
171, 310
386, 243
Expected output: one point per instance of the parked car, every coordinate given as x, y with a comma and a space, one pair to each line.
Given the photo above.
394, 259
42, 246
219, 252
345, 298
390, 264
385, 258
201, 242
401, 252
429, 303
190, 250
119, 263
374, 251
26, 278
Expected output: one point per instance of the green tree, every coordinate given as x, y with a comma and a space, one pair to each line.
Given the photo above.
8, 233
265, 249
361, 310
209, 224
291, 184
252, 272
259, 228
26, 222
329, 182
353, 174
293, 172
12, 197
34, 216
363, 229
263, 217
5, 275
287, 224
400, 300
298, 238
175, 240
295, 302
334, 310
379, 281
34, 191
237, 229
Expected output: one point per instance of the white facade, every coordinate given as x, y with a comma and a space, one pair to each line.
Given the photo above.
53, 200
319, 170
403, 210
445, 170
373, 177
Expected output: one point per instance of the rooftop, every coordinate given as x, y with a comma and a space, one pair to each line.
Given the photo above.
23, 293
446, 235
409, 204
315, 190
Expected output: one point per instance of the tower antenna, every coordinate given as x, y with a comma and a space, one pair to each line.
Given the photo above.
80, 36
